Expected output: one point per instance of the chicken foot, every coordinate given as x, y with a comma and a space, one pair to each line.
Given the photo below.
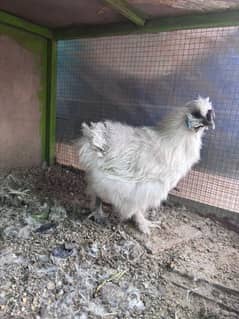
98, 214
144, 224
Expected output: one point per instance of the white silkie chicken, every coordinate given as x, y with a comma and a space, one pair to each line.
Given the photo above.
134, 168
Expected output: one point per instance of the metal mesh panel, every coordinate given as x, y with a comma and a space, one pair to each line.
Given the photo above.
137, 79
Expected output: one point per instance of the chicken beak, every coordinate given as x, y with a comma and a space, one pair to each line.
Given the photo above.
212, 124
212, 119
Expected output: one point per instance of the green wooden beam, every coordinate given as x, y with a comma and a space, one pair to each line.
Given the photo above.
51, 101
13, 21
124, 8
209, 20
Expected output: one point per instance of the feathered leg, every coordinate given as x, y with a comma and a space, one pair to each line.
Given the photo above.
92, 204
144, 224
98, 214
91, 195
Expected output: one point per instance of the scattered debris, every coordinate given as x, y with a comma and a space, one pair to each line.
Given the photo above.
61, 252
45, 227
114, 277
56, 263
41, 214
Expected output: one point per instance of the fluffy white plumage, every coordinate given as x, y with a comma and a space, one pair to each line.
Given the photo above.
134, 168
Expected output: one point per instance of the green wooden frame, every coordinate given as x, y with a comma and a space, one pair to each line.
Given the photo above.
19, 23
209, 20
47, 94
128, 11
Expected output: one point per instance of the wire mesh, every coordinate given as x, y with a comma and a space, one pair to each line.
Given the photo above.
136, 79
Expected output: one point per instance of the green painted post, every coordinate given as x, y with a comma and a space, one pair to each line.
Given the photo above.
51, 100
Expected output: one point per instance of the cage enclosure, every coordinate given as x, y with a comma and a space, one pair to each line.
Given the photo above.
63, 63
136, 79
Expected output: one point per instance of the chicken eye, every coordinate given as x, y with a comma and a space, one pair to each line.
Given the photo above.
196, 114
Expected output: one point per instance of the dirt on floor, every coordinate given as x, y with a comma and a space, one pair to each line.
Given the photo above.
55, 262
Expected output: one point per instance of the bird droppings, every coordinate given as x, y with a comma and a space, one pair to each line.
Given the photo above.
57, 263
